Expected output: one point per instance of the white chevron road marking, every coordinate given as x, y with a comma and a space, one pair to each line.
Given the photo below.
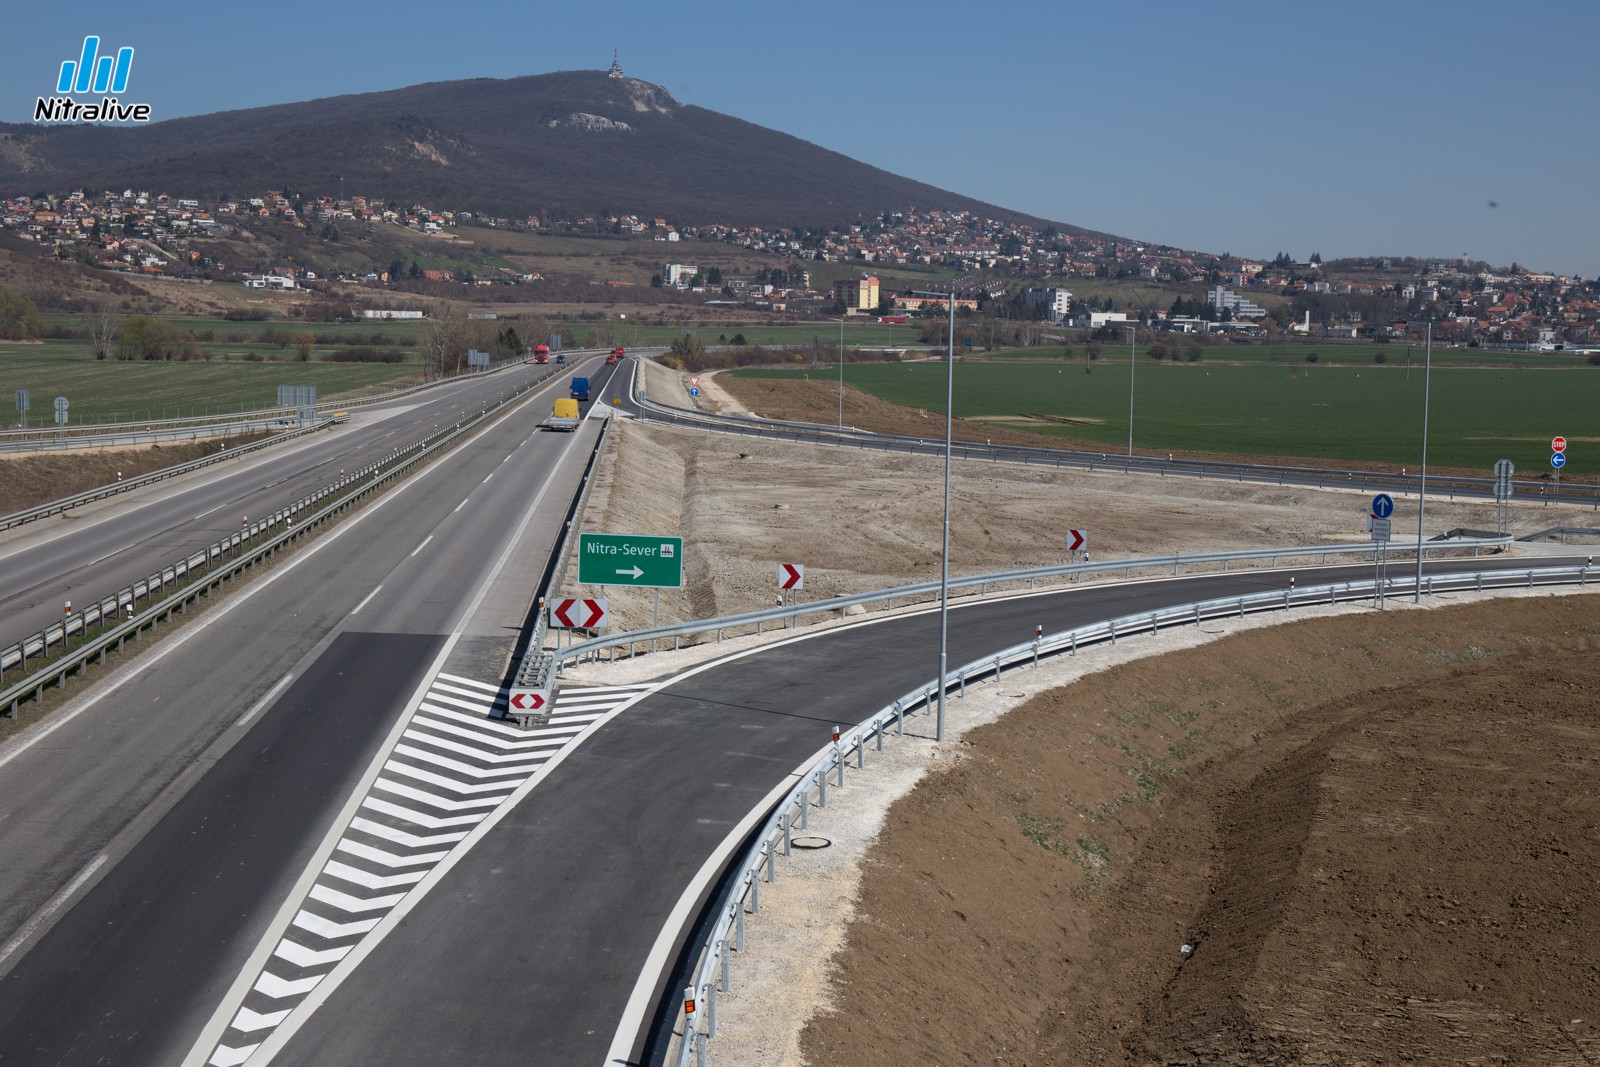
423, 797
420, 818
277, 988
400, 837
354, 905
450, 719
388, 859
248, 1022
531, 762
356, 876
329, 929
455, 785
231, 1057
301, 956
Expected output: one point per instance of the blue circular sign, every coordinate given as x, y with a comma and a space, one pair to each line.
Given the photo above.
1383, 505
1558, 460
694, 390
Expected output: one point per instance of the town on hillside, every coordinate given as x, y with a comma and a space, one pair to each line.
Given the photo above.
1012, 269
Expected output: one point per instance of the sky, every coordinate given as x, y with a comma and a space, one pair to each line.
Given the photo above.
1353, 128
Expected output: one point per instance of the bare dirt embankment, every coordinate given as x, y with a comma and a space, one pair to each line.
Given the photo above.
30, 479
1377, 833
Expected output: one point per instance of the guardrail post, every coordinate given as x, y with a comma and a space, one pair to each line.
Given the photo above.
783, 821
805, 809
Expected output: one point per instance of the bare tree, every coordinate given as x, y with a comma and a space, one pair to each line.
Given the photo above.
444, 341
105, 326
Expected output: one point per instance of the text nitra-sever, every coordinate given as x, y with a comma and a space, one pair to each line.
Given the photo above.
664, 551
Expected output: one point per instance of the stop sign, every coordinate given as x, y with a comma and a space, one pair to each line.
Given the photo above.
1558, 444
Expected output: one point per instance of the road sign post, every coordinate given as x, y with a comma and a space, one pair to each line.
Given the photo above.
1503, 470
1077, 545
1381, 526
640, 560
22, 407
579, 614
530, 707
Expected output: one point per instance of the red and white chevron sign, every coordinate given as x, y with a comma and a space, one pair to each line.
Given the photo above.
526, 700
1076, 539
578, 614
791, 576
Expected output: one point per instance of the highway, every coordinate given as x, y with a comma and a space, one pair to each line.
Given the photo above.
290, 833
93, 551
144, 795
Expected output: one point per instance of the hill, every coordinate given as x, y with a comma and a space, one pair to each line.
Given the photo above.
573, 143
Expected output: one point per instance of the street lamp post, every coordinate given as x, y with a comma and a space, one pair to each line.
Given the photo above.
1133, 334
1422, 490
841, 376
944, 554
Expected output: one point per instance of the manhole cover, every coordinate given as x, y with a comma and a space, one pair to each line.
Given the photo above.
810, 842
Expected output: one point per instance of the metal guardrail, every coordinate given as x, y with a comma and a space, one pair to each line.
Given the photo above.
791, 614
234, 549
713, 973
67, 503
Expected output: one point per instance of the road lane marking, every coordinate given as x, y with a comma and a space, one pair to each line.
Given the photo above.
269, 697
486, 480
21, 937
459, 506
375, 590
424, 544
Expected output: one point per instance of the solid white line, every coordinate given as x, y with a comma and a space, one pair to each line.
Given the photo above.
640, 1003
22, 935
424, 544
270, 696
368, 597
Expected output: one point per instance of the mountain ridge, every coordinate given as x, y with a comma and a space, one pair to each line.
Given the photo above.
571, 143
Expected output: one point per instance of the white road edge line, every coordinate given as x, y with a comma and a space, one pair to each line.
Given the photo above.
268, 698
422, 546
375, 591
21, 937
642, 1000
222, 1018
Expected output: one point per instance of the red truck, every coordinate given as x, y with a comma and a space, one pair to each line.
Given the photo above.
616, 354
541, 353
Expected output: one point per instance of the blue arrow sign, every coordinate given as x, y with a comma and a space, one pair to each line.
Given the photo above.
1558, 460
1382, 505
694, 390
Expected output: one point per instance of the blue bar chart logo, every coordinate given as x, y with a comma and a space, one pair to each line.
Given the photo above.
92, 73
108, 75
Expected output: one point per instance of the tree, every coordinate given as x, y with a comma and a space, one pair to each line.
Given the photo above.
104, 324
1312, 357
444, 341
509, 340
713, 275
1380, 357
19, 317
303, 342
396, 269
415, 271
655, 281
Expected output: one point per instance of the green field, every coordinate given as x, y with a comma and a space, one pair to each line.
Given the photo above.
116, 391
861, 334
1343, 411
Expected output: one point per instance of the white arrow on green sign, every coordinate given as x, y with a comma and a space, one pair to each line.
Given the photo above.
630, 559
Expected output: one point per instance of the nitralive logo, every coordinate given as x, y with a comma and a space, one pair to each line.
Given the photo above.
93, 73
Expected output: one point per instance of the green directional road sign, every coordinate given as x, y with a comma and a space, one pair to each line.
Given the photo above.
630, 559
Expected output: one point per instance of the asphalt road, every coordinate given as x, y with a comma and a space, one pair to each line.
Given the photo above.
531, 947
145, 834
151, 835
93, 551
